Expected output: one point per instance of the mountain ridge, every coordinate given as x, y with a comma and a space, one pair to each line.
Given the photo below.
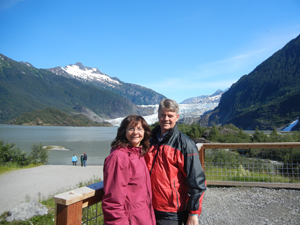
213, 98
137, 94
266, 98
24, 88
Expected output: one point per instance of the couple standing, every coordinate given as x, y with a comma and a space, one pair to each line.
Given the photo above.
164, 172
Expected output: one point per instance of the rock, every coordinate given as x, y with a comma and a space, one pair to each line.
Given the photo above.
26, 210
200, 140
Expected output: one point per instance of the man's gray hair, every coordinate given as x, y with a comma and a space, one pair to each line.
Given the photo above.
168, 104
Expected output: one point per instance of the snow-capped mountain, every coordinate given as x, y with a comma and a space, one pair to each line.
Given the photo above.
191, 108
88, 74
135, 93
214, 98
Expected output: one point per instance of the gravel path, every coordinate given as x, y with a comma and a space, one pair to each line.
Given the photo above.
234, 206
43, 181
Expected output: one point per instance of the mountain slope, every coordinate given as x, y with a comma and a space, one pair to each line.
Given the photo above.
266, 98
135, 93
55, 117
24, 88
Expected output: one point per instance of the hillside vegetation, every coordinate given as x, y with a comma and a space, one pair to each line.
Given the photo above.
267, 98
24, 88
137, 94
55, 117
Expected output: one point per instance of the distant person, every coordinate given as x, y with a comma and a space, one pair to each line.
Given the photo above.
84, 159
81, 160
177, 177
74, 160
127, 188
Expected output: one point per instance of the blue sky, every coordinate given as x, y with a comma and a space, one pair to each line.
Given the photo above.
180, 49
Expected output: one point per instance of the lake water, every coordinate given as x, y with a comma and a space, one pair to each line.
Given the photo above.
95, 141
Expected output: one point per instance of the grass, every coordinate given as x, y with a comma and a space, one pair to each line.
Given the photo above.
9, 167
93, 214
221, 165
214, 173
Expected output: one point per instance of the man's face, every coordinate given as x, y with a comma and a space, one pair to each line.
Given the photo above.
167, 120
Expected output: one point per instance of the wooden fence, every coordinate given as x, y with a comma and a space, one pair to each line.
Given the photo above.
69, 205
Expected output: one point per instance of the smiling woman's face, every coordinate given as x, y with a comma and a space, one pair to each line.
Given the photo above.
135, 134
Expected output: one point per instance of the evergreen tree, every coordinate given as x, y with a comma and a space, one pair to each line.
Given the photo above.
258, 136
214, 133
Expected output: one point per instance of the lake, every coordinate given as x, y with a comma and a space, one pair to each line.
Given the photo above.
95, 141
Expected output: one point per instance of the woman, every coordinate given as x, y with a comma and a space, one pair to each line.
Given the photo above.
127, 188
74, 159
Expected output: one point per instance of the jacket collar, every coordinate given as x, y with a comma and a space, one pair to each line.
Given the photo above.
157, 131
129, 149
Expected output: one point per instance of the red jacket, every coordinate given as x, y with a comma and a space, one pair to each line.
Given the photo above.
177, 177
127, 188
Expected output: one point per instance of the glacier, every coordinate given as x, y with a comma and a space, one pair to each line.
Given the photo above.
185, 110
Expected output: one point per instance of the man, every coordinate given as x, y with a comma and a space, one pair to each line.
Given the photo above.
177, 177
84, 159
81, 160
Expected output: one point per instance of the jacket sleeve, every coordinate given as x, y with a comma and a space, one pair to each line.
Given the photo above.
195, 178
116, 179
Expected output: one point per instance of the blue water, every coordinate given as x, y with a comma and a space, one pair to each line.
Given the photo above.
95, 141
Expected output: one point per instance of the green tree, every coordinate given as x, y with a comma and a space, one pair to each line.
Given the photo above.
214, 133
39, 155
10, 154
274, 136
195, 131
258, 136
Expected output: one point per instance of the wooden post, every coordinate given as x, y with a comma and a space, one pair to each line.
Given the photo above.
202, 155
69, 205
68, 214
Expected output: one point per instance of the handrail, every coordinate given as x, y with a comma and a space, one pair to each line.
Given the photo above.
251, 145
69, 205
272, 145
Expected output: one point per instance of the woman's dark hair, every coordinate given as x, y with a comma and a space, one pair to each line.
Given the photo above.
121, 140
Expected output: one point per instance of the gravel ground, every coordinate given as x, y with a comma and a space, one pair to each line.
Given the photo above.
250, 206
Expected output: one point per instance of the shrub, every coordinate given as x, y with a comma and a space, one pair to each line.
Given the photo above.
38, 154
10, 154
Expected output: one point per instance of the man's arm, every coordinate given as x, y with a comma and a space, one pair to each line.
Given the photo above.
195, 179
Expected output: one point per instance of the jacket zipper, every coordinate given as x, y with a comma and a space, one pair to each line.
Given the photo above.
176, 195
149, 196
154, 158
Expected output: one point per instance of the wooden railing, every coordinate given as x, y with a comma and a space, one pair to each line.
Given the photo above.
69, 205
277, 145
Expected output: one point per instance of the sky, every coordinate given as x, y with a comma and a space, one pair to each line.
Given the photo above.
180, 49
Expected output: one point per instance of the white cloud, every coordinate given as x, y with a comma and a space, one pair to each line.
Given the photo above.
239, 63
